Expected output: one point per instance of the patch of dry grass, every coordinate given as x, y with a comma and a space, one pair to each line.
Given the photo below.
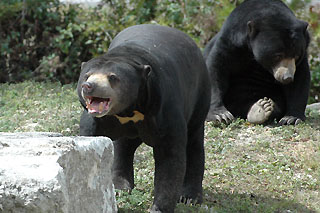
46, 107
249, 168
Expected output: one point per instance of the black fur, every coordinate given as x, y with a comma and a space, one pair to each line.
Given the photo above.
174, 96
241, 56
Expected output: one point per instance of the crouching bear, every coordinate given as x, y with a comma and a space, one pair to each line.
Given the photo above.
152, 86
258, 65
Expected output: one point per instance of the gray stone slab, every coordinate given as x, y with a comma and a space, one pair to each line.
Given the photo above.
45, 172
315, 106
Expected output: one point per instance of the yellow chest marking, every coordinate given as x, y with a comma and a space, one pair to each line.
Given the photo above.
138, 116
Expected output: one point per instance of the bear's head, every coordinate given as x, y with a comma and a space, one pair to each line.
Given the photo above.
110, 86
278, 46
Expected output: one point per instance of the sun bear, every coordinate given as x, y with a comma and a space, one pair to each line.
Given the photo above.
153, 87
258, 65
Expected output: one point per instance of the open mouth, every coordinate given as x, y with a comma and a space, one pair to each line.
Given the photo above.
97, 105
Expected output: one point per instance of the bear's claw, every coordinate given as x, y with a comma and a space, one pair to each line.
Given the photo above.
221, 115
290, 120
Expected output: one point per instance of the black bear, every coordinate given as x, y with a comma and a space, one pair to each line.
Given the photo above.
258, 65
152, 86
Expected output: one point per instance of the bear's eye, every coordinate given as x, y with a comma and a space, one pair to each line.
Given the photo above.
278, 57
86, 76
113, 78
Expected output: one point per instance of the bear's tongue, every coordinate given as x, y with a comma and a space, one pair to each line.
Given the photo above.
97, 105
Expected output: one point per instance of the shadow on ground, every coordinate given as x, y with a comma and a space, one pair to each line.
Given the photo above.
222, 202
247, 203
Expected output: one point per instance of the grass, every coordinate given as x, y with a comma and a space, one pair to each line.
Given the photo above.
47, 107
249, 168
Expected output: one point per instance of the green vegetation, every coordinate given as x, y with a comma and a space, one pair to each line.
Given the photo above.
41, 107
249, 168
48, 40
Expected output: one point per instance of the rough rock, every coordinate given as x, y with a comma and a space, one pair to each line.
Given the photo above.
45, 172
315, 106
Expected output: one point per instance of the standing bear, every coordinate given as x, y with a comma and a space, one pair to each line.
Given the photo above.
258, 65
152, 86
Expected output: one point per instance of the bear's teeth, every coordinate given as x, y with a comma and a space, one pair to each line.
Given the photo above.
101, 106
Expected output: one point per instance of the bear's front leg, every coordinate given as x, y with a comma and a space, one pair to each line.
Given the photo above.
88, 126
296, 95
219, 75
218, 112
122, 169
170, 167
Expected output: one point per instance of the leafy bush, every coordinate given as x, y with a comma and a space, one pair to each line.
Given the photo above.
47, 40
26, 29
87, 33
311, 13
314, 21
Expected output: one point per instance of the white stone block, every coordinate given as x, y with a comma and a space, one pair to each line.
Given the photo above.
45, 172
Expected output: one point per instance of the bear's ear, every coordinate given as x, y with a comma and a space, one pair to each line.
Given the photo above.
82, 64
304, 27
251, 29
146, 71
300, 27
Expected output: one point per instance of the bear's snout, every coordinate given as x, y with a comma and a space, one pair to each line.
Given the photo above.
287, 78
87, 87
285, 70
